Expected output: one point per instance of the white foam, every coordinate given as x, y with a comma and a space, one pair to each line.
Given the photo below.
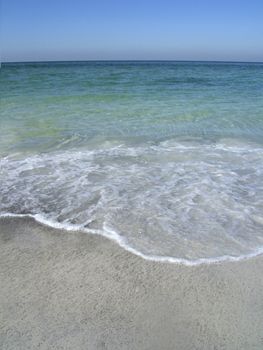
176, 202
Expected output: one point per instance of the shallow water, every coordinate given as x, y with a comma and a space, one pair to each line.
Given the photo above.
164, 157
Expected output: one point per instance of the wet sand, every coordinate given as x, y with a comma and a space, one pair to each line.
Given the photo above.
71, 290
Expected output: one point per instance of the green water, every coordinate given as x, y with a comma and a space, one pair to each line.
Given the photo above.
47, 105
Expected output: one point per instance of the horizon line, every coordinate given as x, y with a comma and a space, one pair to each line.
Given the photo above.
131, 60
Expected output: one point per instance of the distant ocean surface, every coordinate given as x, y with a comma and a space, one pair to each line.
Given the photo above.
166, 158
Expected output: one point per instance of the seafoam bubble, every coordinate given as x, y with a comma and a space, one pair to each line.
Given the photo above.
173, 201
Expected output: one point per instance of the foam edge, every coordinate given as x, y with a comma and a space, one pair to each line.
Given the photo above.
114, 236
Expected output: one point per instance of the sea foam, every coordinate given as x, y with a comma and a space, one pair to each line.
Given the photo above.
184, 202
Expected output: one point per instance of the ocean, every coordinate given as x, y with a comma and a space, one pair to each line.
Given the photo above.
166, 158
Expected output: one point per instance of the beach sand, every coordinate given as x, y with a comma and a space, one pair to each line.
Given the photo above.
72, 290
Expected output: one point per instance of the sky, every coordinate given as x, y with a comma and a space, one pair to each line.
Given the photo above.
41, 30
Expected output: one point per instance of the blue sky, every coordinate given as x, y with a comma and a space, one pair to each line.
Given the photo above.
34, 30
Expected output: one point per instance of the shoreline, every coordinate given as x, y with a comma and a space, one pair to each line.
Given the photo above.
65, 290
113, 236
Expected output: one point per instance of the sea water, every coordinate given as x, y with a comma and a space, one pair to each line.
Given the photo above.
166, 158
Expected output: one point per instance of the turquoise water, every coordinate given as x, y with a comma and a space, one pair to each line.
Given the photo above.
164, 157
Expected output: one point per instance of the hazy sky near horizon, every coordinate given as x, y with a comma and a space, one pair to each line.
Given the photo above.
33, 30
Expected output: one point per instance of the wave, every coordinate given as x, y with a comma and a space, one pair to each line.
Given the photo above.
187, 202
